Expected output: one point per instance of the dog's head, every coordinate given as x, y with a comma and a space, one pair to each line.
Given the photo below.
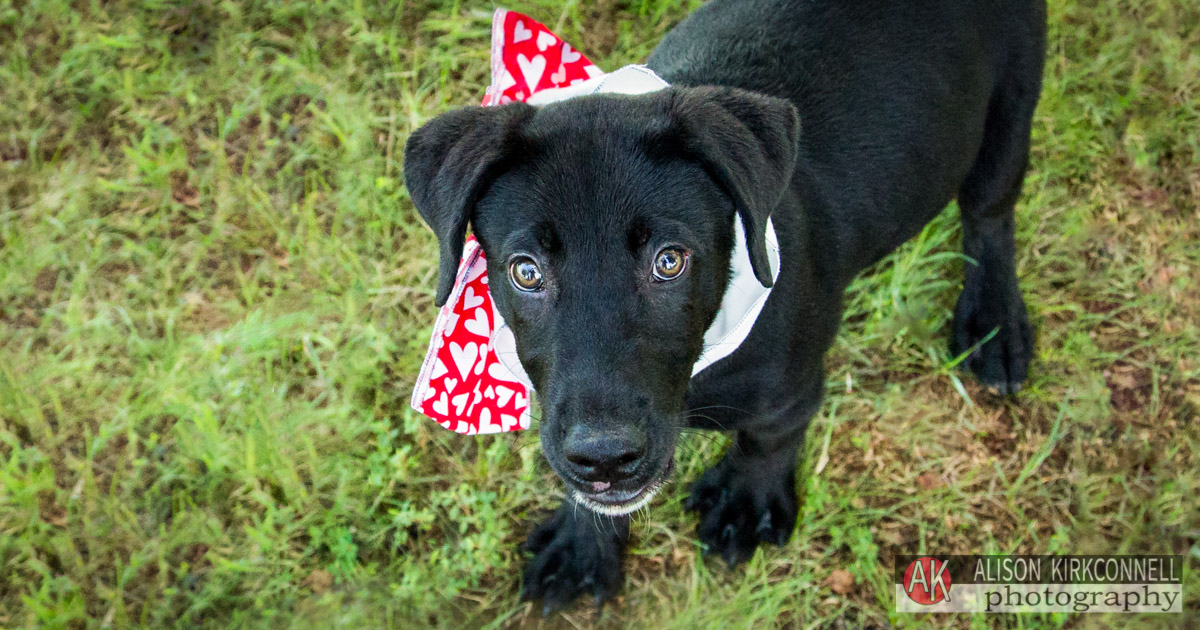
607, 222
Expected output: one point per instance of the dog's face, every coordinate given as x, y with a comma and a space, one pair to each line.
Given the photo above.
607, 222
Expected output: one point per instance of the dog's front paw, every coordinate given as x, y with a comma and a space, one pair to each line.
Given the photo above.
1002, 362
743, 503
575, 552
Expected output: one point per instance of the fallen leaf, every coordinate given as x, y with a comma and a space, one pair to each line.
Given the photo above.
929, 481
840, 581
319, 581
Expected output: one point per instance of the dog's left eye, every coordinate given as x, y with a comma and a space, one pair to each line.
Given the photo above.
525, 273
669, 263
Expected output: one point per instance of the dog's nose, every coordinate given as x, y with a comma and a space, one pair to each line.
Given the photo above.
603, 456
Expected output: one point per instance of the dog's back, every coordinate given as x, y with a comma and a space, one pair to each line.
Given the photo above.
893, 96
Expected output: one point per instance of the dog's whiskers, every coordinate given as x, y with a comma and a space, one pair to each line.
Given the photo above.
693, 416
707, 407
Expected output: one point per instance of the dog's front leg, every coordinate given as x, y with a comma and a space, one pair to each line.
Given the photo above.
765, 393
575, 552
749, 497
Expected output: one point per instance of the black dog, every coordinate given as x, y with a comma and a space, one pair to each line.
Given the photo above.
608, 225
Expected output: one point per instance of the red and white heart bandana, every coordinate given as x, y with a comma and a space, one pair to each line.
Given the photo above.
472, 381
464, 383
527, 58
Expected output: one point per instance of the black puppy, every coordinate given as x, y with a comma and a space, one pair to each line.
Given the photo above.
608, 225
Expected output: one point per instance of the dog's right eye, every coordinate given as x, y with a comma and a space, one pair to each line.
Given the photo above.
669, 263
525, 273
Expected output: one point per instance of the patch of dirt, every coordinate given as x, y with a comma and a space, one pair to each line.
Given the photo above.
13, 151
1100, 307
241, 141
27, 311
202, 314
183, 191
600, 38
1131, 386
196, 555
46, 279
997, 432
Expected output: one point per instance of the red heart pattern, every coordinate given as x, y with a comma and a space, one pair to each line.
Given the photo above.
463, 384
462, 371
527, 58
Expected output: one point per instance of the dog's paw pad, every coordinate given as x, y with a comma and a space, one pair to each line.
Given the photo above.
575, 553
738, 512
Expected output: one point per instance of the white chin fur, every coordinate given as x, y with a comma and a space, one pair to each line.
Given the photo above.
618, 510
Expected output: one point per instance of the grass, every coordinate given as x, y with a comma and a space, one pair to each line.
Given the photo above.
215, 293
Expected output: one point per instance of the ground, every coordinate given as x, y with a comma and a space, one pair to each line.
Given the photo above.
215, 293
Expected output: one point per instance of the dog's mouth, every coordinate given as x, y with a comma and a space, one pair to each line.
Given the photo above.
613, 502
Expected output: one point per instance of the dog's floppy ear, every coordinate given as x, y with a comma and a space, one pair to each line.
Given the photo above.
748, 144
448, 164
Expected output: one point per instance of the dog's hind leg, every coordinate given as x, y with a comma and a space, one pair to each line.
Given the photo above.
991, 298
